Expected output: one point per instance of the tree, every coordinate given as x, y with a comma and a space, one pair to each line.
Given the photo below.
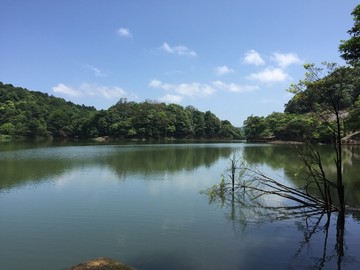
350, 49
212, 125
333, 86
57, 121
255, 128
198, 121
7, 129
228, 131
353, 122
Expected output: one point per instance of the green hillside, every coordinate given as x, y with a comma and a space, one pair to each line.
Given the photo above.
310, 113
33, 114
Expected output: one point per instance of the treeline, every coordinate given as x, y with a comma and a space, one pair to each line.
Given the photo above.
326, 94
35, 114
308, 113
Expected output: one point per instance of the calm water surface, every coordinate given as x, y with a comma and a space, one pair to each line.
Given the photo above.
64, 204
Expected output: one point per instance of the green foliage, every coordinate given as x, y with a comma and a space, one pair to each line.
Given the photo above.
217, 192
35, 114
256, 128
350, 49
321, 86
353, 121
7, 129
325, 93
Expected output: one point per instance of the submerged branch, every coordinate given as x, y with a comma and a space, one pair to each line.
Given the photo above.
254, 190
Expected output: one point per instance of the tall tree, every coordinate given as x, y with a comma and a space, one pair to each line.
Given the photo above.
350, 49
333, 85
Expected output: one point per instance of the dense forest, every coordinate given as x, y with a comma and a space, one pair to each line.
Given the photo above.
33, 114
324, 91
308, 113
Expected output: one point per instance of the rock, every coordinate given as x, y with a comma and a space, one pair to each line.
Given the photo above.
101, 139
101, 264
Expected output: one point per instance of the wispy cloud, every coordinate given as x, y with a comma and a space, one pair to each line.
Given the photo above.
124, 32
184, 89
86, 89
160, 85
253, 57
97, 72
222, 70
233, 87
179, 50
195, 89
177, 92
286, 59
169, 98
108, 92
66, 90
270, 75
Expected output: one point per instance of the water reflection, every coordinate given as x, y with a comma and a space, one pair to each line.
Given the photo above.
165, 159
285, 158
317, 232
324, 232
35, 165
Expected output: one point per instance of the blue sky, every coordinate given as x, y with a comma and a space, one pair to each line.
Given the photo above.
232, 57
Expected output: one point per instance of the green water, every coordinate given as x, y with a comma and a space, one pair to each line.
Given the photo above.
140, 203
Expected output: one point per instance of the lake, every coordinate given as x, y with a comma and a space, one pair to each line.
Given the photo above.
62, 204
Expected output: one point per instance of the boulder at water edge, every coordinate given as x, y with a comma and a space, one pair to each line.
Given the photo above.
101, 264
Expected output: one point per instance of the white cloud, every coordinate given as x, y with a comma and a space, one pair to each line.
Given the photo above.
66, 90
179, 50
97, 72
169, 98
155, 84
176, 92
160, 85
222, 70
124, 32
284, 60
86, 89
232, 87
254, 58
195, 89
270, 75
184, 89
112, 92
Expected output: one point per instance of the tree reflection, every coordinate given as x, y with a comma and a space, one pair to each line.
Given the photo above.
321, 224
316, 226
285, 158
159, 159
256, 198
44, 164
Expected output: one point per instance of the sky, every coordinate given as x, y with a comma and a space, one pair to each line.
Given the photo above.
235, 58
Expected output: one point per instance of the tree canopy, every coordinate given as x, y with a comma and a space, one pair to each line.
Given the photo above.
309, 112
350, 49
35, 114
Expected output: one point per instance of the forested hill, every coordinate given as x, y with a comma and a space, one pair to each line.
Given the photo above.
310, 113
35, 114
